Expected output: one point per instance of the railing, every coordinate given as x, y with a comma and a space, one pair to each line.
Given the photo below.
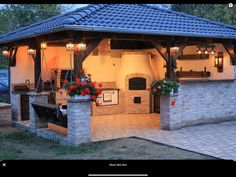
4, 93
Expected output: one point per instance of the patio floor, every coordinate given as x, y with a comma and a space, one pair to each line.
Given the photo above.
218, 140
123, 125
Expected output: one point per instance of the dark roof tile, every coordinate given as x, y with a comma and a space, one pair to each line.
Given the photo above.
127, 18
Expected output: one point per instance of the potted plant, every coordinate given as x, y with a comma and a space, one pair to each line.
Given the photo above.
164, 87
82, 87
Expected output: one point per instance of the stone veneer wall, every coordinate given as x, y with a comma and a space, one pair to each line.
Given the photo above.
199, 102
35, 121
16, 108
79, 121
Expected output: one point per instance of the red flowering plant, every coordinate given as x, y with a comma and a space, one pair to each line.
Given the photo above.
164, 87
83, 85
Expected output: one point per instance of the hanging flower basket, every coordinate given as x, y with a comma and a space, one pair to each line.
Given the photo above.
83, 87
164, 87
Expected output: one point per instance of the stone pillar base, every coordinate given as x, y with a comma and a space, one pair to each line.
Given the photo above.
170, 119
35, 121
79, 124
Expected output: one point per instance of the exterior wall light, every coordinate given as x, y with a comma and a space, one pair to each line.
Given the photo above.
43, 45
174, 49
70, 46
81, 46
199, 51
219, 61
31, 51
5, 52
212, 51
206, 51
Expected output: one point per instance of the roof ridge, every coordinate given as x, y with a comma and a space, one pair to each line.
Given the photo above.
52, 18
83, 13
192, 16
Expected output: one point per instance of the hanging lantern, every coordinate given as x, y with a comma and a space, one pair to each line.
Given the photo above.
31, 51
199, 51
174, 49
212, 50
70, 46
5, 52
43, 45
81, 46
206, 51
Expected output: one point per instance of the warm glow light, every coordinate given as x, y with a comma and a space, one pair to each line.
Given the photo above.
212, 52
81, 46
206, 52
70, 46
31, 51
43, 45
220, 61
5, 53
199, 51
216, 61
175, 49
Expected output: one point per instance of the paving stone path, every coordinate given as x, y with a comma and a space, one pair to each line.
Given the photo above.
218, 140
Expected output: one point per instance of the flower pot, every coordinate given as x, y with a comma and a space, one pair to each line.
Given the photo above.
81, 97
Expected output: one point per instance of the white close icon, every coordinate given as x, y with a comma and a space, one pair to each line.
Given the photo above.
231, 5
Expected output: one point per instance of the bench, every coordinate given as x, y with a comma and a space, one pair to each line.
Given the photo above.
51, 113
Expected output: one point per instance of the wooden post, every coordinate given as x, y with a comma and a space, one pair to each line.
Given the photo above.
78, 63
80, 56
170, 72
37, 69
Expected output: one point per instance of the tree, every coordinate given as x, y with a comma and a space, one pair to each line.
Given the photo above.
217, 12
15, 16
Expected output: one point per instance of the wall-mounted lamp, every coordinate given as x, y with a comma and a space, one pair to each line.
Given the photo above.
219, 61
43, 45
5, 52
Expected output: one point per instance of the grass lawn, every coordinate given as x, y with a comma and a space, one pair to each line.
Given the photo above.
16, 144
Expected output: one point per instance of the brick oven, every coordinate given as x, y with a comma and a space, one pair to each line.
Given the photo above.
133, 78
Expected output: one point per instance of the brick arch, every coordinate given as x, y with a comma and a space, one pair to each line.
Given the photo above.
129, 76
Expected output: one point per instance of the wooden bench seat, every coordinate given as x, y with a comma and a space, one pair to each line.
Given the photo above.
50, 112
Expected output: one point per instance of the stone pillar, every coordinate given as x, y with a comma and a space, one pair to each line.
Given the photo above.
170, 117
79, 124
35, 121
16, 108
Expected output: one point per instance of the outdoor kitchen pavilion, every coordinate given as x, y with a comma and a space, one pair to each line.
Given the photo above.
141, 28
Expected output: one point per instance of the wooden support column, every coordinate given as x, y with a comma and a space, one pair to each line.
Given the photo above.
231, 51
80, 56
37, 69
170, 69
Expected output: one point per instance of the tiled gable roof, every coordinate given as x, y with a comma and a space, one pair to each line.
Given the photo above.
127, 18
